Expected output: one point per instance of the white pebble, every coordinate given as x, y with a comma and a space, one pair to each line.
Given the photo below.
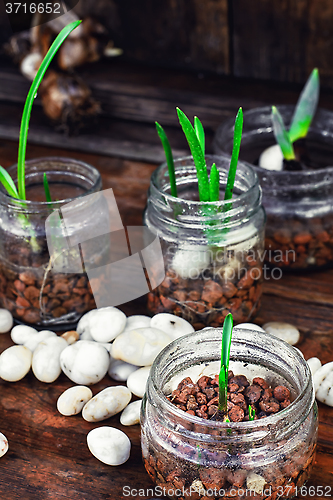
15, 362
46, 359
71, 401
85, 362
284, 331
106, 403
21, 333
323, 383
139, 347
102, 324
109, 445
137, 321
256, 483
38, 337
6, 320
120, 370
172, 325
131, 414
3, 444
191, 261
314, 364
250, 326
271, 158
137, 381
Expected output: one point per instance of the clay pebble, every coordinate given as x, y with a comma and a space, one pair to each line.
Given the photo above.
140, 346
120, 370
131, 414
71, 401
109, 445
15, 363
137, 381
6, 321
103, 324
46, 359
85, 362
3, 445
284, 331
323, 384
172, 325
106, 403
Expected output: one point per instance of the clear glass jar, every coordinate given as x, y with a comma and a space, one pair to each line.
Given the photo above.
299, 204
29, 288
212, 250
181, 451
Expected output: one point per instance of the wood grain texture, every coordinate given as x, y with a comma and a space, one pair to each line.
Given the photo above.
283, 39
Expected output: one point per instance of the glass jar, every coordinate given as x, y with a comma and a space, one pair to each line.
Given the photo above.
298, 204
29, 288
185, 454
212, 250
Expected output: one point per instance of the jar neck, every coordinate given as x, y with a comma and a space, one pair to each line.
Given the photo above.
77, 174
248, 348
187, 214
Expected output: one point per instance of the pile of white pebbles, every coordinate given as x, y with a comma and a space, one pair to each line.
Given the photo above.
106, 341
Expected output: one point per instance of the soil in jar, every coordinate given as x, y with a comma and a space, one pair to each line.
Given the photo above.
234, 286
198, 477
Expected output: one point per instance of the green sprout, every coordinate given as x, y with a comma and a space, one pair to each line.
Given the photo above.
225, 356
252, 413
5, 179
238, 129
47, 189
304, 112
169, 158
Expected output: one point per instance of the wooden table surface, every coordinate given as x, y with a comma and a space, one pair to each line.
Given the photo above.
48, 458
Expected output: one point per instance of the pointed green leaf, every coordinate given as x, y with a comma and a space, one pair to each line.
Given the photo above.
8, 183
47, 189
281, 135
235, 154
169, 158
252, 413
305, 108
199, 130
198, 156
214, 184
225, 356
30, 100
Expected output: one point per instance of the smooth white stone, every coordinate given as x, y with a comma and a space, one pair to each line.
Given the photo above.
103, 324
71, 401
172, 325
256, 483
137, 381
86, 336
137, 321
20, 334
85, 362
106, 345
3, 444
106, 403
46, 359
120, 370
284, 331
139, 347
109, 445
15, 362
231, 270
38, 337
323, 383
6, 320
314, 364
131, 414
250, 326
198, 487
191, 261
271, 158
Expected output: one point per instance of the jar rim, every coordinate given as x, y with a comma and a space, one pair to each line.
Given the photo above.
307, 175
30, 204
198, 204
161, 399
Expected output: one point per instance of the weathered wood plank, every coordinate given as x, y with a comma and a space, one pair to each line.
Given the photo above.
282, 39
